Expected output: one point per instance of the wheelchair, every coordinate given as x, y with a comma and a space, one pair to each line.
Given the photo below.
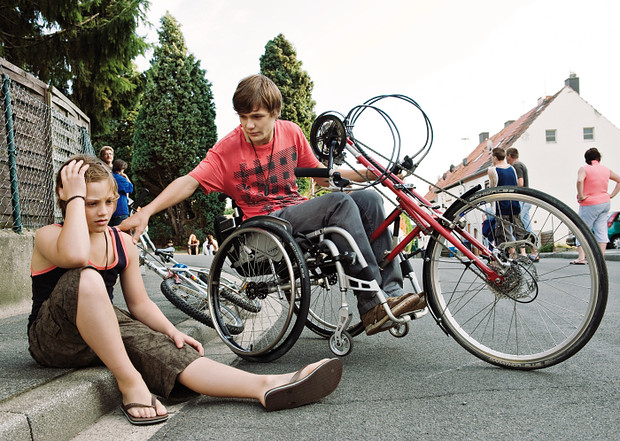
298, 280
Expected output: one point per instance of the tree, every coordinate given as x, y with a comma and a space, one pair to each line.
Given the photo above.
83, 48
121, 130
174, 129
280, 64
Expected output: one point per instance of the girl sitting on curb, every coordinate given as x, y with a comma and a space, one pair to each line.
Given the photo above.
74, 323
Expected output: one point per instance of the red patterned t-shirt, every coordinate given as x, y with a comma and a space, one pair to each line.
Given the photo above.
259, 182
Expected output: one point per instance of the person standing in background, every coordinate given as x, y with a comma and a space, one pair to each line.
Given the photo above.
124, 188
106, 154
594, 200
508, 224
512, 158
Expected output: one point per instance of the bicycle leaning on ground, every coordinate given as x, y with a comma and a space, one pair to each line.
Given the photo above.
186, 288
501, 307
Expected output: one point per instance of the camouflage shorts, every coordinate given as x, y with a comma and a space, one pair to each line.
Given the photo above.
56, 342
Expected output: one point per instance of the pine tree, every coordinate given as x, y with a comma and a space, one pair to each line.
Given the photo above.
83, 48
280, 64
174, 129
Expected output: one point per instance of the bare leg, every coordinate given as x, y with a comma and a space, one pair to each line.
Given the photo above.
581, 255
208, 377
98, 326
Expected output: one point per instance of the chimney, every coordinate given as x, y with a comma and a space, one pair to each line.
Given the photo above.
483, 136
572, 81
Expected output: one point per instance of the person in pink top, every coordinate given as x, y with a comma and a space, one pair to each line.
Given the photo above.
594, 199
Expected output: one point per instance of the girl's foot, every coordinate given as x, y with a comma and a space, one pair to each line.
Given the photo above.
307, 385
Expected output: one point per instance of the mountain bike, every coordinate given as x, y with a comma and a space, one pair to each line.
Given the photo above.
186, 287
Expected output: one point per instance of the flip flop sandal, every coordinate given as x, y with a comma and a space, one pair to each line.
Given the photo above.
146, 420
319, 383
576, 262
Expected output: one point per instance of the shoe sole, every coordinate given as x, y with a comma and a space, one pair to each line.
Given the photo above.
318, 384
386, 323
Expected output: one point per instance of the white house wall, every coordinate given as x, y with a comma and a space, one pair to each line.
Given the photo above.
553, 166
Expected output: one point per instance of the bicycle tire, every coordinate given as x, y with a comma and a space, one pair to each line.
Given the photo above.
269, 268
541, 313
232, 294
325, 302
194, 303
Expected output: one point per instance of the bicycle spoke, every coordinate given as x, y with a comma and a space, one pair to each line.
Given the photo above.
532, 314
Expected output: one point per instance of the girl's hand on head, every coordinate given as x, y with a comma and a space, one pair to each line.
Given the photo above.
73, 182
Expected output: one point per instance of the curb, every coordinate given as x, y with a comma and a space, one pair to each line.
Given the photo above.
65, 406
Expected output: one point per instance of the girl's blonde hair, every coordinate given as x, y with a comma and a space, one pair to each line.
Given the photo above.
97, 171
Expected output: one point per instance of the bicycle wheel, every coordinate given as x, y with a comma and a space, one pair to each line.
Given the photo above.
230, 292
534, 315
194, 303
269, 269
325, 302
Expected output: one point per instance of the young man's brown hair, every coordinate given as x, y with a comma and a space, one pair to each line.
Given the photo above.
512, 152
257, 91
499, 153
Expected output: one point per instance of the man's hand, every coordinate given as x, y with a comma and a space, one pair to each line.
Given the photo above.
135, 225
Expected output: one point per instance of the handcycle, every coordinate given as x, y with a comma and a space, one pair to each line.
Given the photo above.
186, 287
500, 306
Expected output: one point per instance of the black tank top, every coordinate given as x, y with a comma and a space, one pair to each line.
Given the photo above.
44, 282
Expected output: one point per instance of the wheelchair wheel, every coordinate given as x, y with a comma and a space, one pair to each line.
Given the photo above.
325, 302
341, 347
268, 268
534, 314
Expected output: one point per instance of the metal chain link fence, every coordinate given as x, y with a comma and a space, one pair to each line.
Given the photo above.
36, 137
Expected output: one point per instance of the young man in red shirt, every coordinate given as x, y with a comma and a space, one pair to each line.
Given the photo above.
254, 164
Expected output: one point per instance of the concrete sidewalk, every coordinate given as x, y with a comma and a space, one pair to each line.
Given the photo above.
39, 403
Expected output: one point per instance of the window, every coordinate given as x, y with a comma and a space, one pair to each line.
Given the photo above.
588, 133
550, 135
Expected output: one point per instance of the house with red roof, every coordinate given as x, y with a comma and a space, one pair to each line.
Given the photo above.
551, 139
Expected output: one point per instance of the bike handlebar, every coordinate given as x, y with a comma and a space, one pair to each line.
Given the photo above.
302, 172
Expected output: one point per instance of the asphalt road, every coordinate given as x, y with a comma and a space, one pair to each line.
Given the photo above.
423, 386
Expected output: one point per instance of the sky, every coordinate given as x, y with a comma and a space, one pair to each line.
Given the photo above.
470, 65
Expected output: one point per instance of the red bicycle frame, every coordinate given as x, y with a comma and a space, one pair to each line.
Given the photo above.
425, 222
